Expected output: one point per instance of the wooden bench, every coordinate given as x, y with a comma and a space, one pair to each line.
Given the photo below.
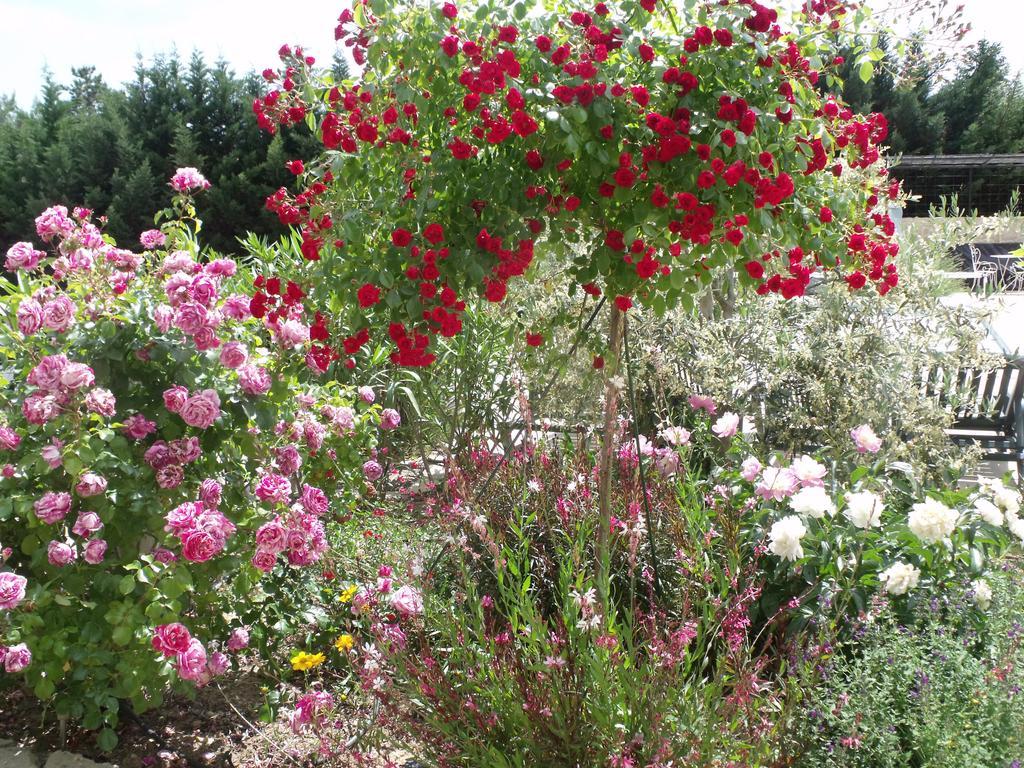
986, 407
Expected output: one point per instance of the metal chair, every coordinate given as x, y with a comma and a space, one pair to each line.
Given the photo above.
1010, 270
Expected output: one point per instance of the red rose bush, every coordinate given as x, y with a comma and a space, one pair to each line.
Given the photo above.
642, 150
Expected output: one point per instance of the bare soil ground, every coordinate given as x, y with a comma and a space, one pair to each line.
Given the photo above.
221, 727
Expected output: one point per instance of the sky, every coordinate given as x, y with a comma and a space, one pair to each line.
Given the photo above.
108, 34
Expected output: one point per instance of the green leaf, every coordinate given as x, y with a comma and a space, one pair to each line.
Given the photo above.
45, 688
106, 739
127, 584
866, 71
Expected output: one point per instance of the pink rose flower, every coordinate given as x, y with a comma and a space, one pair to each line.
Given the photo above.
726, 425
201, 410
164, 555
138, 426
170, 476
95, 551
30, 317
288, 460
407, 601
273, 488
101, 401
237, 307
59, 314
217, 664
9, 439
47, 373
188, 180
59, 553
389, 419
750, 468
87, 523
272, 537
81, 260
865, 439
12, 590
191, 663
171, 639
206, 339
17, 658
234, 355
191, 318
77, 376
367, 395
163, 316
292, 333
264, 560
182, 518
314, 500
254, 380
22, 256
53, 506
185, 450
344, 418
54, 222
90, 484
702, 403
209, 493
239, 639
203, 289
675, 436
776, 484
179, 261
152, 238
175, 398
808, 471
51, 453
372, 471
39, 409
221, 268
200, 546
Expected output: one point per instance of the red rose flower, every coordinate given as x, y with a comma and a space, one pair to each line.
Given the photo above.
368, 295
401, 237
434, 233
534, 339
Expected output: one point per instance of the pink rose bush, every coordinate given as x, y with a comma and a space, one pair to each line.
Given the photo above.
164, 451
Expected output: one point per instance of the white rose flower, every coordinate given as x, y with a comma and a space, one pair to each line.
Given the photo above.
812, 501
784, 538
900, 578
932, 521
982, 594
1016, 525
1007, 499
864, 509
989, 512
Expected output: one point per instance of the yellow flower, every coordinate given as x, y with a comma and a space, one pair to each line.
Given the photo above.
345, 643
347, 595
303, 661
